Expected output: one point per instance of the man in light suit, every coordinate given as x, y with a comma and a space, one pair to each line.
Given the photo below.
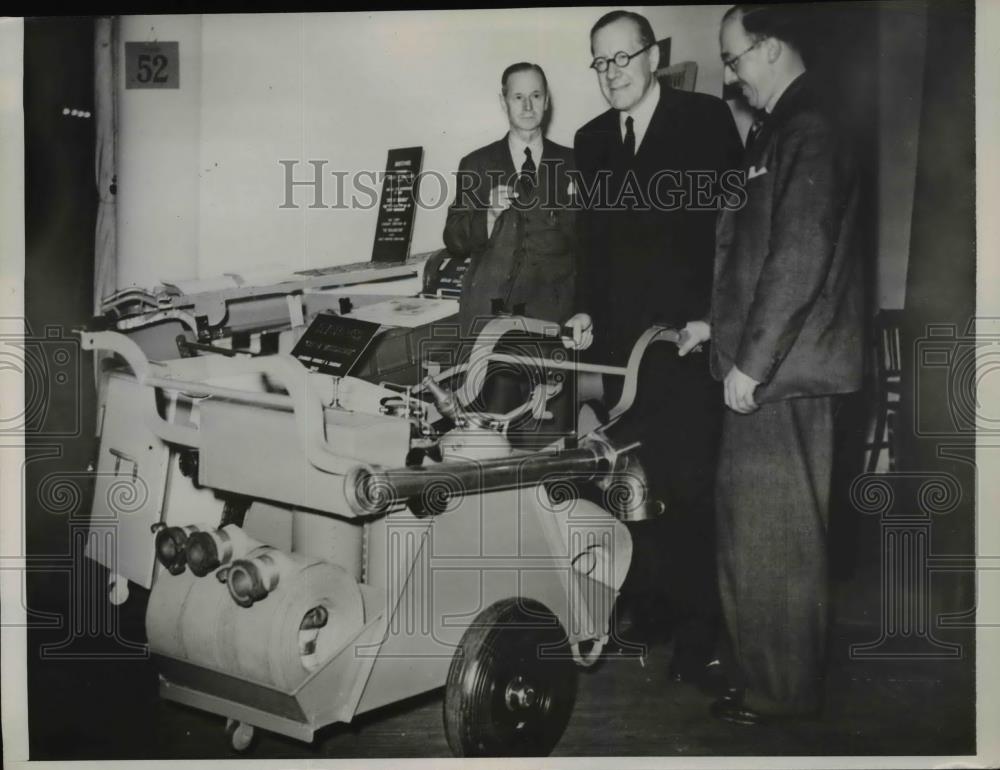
786, 328
512, 218
649, 241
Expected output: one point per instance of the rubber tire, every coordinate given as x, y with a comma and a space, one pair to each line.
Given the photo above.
501, 643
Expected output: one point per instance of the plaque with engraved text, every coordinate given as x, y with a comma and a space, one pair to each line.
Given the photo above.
396, 206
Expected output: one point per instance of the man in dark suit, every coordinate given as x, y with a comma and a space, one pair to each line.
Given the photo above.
786, 330
650, 169
511, 217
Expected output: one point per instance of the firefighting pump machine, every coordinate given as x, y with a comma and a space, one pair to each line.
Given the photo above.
319, 545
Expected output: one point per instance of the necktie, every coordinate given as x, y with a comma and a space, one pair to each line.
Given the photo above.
629, 137
754, 132
528, 168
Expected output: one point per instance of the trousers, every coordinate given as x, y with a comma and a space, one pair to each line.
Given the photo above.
772, 507
677, 418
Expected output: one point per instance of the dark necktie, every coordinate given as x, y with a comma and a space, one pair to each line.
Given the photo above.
629, 138
754, 132
528, 168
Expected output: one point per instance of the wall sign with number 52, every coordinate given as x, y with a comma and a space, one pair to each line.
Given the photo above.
152, 65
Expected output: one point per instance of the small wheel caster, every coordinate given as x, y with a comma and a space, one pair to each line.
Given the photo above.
240, 735
117, 590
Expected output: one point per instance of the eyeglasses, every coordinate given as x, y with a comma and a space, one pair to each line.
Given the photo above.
731, 63
621, 59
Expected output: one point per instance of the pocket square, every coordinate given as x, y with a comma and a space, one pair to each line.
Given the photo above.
755, 172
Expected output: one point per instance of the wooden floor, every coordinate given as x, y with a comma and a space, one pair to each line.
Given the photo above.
625, 706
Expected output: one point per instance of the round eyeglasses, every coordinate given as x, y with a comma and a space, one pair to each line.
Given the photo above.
621, 59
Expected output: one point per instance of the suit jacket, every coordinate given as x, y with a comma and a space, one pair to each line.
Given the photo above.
530, 257
650, 243
787, 305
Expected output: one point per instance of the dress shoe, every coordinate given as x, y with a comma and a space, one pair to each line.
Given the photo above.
731, 694
708, 677
732, 708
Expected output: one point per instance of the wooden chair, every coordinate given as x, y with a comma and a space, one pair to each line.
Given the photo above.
888, 375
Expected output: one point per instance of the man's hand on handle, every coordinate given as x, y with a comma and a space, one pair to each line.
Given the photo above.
693, 336
581, 328
738, 387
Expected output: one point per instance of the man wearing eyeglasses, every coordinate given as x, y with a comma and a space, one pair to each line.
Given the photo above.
786, 330
511, 217
649, 241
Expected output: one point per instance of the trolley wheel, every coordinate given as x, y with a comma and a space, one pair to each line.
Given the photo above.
117, 590
511, 684
240, 735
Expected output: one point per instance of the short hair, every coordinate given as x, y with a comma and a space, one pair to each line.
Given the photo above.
646, 36
780, 21
522, 66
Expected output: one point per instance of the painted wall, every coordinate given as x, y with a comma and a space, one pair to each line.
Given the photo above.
200, 183
201, 187
343, 88
158, 179
694, 34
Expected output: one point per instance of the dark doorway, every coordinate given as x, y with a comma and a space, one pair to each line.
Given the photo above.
60, 217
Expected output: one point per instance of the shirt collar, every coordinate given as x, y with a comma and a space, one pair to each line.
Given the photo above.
517, 146
641, 113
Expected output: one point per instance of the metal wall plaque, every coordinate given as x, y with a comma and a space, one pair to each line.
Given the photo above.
152, 65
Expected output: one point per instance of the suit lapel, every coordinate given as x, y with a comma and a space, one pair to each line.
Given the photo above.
548, 151
501, 157
608, 139
553, 175
660, 128
788, 104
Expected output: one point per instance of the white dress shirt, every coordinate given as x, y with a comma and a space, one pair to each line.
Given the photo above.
641, 114
517, 146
